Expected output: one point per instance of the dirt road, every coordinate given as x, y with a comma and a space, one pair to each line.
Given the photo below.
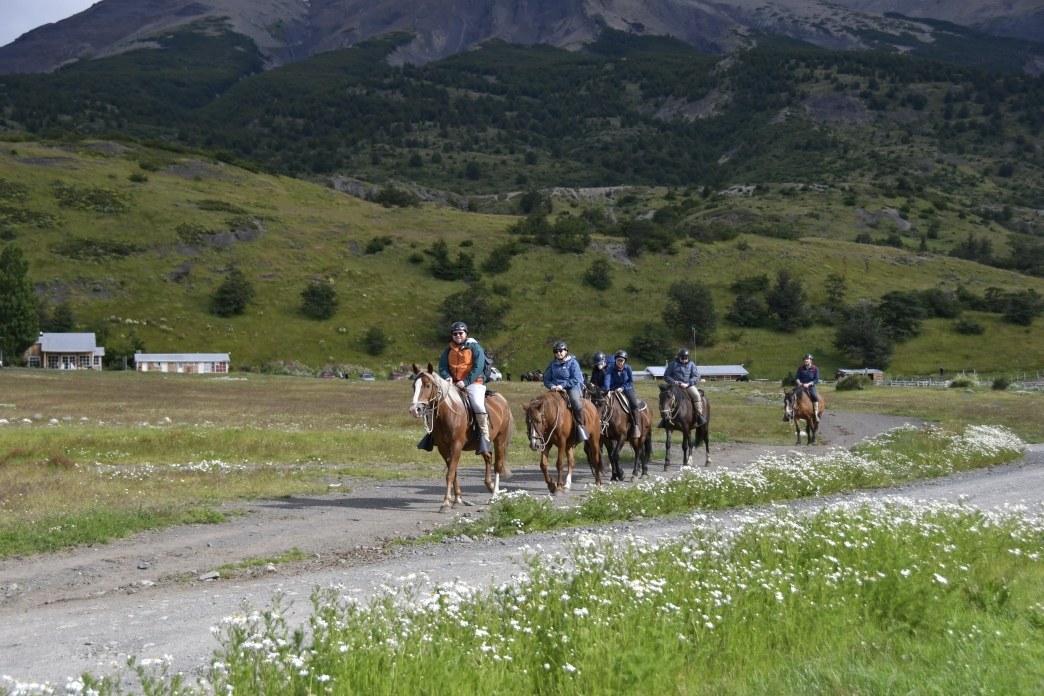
88, 608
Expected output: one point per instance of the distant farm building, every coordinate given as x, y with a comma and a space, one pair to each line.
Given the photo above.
875, 375
65, 351
184, 363
708, 373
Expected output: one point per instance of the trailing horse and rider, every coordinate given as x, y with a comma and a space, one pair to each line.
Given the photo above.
803, 402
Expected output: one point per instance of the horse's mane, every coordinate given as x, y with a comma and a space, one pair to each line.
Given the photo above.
546, 397
446, 389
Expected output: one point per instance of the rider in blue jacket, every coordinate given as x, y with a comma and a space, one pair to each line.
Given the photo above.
808, 377
620, 378
683, 372
564, 375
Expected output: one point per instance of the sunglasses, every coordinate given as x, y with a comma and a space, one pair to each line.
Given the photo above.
460, 333
561, 351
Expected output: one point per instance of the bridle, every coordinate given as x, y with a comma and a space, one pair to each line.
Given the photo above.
429, 409
543, 438
671, 409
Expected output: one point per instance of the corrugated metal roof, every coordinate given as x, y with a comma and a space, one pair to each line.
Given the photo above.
860, 371
705, 370
181, 357
67, 343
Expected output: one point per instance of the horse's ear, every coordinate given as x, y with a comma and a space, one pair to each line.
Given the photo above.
431, 369
416, 370
525, 406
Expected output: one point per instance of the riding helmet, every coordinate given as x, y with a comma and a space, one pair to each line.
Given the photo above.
620, 354
599, 358
683, 353
808, 356
459, 326
560, 345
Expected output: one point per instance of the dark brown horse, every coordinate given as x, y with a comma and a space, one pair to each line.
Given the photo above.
615, 428
678, 413
446, 418
549, 423
797, 406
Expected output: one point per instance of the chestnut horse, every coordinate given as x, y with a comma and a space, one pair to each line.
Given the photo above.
797, 406
446, 418
549, 423
679, 414
616, 426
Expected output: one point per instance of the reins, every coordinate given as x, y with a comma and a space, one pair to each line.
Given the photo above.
431, 406
545, 438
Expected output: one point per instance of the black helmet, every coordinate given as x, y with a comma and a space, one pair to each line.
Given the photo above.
599, 358
808, 356
459, 326
560, 345
683, 353
620, 354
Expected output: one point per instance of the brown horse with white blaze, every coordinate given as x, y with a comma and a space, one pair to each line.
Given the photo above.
797, 406
446, 418
549, 423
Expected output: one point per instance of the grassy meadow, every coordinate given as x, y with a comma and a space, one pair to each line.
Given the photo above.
128, 468
160, 290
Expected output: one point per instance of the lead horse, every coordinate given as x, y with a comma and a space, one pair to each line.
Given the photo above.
549, 423
446, 418
797, 406
679, 414
615, 429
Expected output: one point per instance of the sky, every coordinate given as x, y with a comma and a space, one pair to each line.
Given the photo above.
19, 16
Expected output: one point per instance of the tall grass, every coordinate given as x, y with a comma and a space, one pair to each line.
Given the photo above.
855, 598
899, 455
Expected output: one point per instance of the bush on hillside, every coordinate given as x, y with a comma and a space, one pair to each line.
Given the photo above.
1001, 383
475, 307
863, 337
963, 382
233, 295
853, 382
319, 300
599, 275
653, 343
375, 340
689, 309
377, 244
968, 326
443, 268
786, 301
389, 197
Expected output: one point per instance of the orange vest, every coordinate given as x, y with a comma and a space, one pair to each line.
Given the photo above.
461, 363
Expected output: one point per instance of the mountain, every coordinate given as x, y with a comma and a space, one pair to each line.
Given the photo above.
289, 30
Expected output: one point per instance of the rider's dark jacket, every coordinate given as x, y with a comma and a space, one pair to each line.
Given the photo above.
564, 373
682, 372
598, 375
619, 379
807, 375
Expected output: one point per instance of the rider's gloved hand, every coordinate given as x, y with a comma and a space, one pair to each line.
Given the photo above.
460, 384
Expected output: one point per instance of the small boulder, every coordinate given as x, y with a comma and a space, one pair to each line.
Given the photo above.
143, 565
37, 416
53, 421
66, 418
212, 575
270, 567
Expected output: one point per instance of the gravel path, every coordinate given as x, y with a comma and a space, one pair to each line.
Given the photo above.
88, 608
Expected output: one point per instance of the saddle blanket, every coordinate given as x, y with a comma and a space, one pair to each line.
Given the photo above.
622, 400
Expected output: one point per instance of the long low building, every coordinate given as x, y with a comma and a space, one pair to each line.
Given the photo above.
708, 373
184, 363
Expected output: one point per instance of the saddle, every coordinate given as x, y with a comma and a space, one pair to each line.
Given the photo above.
622, 400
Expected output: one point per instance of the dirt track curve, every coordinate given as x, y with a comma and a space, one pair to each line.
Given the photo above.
90, 607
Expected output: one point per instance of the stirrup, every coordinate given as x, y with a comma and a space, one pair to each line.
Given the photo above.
581, 433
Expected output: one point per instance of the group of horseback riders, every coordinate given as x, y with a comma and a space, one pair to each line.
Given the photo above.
463, 363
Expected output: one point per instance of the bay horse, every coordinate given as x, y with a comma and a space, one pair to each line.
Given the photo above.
797, 406
616, 426
446, 419
679, 414
549, 423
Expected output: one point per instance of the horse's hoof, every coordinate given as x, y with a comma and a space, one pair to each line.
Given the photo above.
634, 478
445, 509
666, 467
489, 486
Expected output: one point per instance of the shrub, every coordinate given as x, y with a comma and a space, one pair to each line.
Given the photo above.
1023, 307
101, 200
863, 337
599, 275
499, 260
474, 307
138, 178
853, 382
747, 311
967, 325
1001, 383
319, 300
689, 308
473, 171
445, 269
750, 285
788, 381
389, 197
963, 382
85, 249
416, 160
192, 233
653, 342
375, 340
218, 206
786, 301
377, 244
233, 295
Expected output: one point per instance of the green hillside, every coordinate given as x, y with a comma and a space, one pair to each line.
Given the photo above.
141, 257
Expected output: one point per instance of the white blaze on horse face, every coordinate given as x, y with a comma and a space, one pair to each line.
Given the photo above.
415, 405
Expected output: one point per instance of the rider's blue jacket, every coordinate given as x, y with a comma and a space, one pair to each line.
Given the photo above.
619, 379
682, 372
807, 375
564, 373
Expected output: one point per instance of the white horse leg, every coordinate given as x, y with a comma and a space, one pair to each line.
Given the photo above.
569, 482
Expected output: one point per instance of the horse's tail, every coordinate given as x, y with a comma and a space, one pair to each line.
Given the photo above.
648, 447
510, 426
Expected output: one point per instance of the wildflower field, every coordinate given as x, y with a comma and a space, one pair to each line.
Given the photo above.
874, 597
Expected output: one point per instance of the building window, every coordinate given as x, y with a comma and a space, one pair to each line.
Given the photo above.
85, 361
34, 361
220, 367
97, 361
206, 367
52, 362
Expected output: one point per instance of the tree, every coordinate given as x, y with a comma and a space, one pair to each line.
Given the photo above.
473, 171
499, 260
599, 275
375, 340
835, 288
475, 307
319, 300
747, 311
19, 323
863, 337
690, 308
61, 320
974, 249
118, 346
653, 342
786, 301
445, 269
233, 295
1023, 307
901, 313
